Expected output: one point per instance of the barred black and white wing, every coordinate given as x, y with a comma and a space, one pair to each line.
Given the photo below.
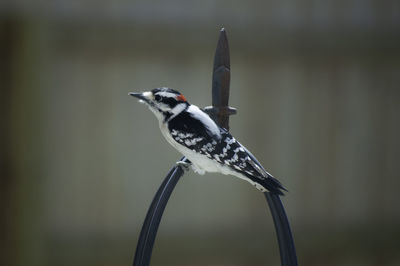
199, 134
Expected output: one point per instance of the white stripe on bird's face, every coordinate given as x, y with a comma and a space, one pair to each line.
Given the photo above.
167, 94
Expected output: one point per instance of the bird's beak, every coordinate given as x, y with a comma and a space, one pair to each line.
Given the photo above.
140, 96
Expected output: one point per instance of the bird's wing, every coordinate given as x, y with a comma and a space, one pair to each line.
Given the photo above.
222, 148
193, 132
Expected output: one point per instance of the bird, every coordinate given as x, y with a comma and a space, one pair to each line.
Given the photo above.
208, 147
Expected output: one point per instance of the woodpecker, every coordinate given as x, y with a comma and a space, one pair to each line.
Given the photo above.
209, 147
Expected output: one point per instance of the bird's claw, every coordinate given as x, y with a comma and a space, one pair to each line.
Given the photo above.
184, 165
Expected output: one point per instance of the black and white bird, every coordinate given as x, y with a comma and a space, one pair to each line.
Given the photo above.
209, 147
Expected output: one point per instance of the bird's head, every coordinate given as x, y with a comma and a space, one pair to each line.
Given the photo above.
165, 103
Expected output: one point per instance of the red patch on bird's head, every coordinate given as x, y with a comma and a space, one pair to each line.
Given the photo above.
180, 97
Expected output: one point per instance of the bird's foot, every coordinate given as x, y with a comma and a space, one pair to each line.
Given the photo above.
184, 165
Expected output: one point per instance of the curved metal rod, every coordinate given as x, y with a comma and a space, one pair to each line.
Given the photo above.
152, 221
287, 249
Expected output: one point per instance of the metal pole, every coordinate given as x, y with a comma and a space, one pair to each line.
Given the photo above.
287, 248
152, 221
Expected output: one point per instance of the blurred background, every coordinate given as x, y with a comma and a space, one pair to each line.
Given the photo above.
316, 85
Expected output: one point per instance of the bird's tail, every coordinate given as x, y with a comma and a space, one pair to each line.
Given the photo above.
273, 185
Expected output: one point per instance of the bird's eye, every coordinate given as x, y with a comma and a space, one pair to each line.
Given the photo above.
157, 98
